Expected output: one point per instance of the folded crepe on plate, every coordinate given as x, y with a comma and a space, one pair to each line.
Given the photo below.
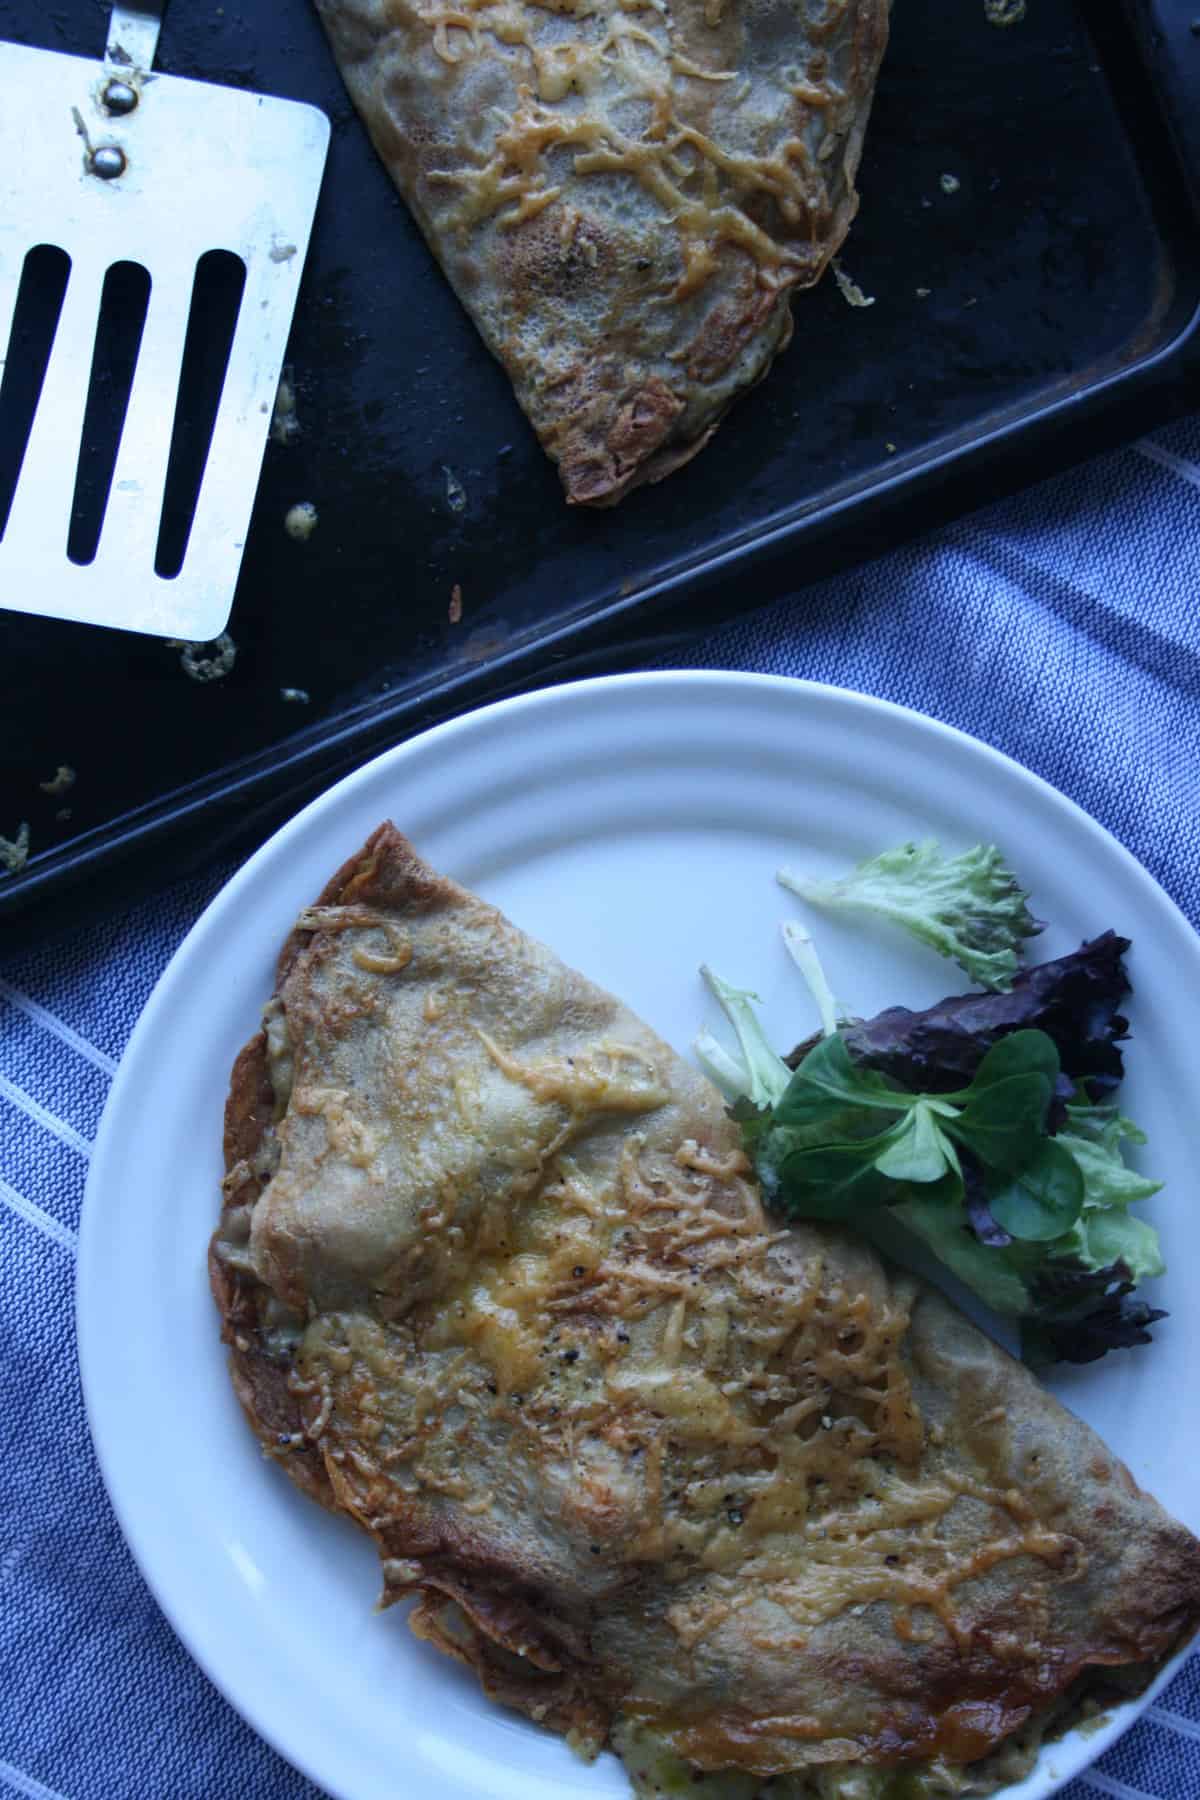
623, 193
498, 1285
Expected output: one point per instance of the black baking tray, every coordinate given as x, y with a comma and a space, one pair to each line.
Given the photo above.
1041, 304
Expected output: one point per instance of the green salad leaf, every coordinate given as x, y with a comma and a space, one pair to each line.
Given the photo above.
1016, 1181
830, 1154
1002, 1120
1041, 1198
828, 1079
762, 1076
920, 1150
1094, 1135
968, 907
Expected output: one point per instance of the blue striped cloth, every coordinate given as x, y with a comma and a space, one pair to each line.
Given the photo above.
1062, 627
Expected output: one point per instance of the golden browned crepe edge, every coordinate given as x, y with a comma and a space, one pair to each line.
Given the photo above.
533, 1656
272, 1410
636, 466
510, 1638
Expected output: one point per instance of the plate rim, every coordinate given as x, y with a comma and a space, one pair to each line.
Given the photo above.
1118, 1719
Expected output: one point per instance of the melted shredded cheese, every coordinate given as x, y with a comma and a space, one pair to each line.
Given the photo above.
686, 1391
573, 90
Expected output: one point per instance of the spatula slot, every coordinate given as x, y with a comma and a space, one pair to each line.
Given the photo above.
212, 320
123, 302
40, 295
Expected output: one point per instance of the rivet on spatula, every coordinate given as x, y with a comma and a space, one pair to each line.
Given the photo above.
107, 161
118, 97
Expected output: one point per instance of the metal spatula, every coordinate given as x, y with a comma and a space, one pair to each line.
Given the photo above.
117, 165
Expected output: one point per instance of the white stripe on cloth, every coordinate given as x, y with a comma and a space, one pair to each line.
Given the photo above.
25, 1784
1179, 465
1116, 1790
33, 1214
65, 1033
1162, 1715
66, 1134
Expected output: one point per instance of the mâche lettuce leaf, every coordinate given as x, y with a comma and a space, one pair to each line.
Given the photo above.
843, 1139
967, 907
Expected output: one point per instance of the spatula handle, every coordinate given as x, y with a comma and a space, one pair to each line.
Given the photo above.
133, 34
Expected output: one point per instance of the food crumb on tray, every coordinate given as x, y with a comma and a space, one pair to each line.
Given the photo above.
62, 779
456, 493
285, 425
206, 661
14, 852
300, 521
850, 290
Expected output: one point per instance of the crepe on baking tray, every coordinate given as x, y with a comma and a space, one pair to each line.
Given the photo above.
623, 193
498, 1285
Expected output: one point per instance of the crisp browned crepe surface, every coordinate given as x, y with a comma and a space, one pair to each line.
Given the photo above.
498, 1285
623, 193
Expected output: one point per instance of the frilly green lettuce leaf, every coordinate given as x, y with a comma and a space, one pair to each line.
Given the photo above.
968, 907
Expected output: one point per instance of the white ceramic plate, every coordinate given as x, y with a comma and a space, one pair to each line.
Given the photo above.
634, 824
